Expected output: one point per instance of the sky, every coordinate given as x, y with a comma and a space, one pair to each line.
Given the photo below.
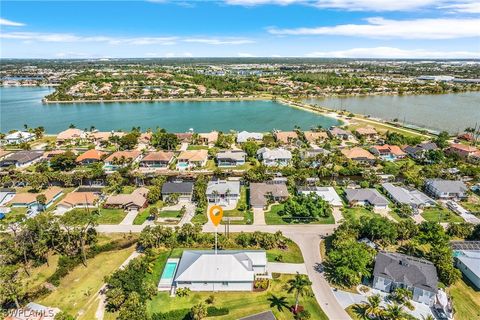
415, 29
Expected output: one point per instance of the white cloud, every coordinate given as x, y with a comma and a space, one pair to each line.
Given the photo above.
378, 27
469, 7
245, 55
10, 23
392, 53
219, 41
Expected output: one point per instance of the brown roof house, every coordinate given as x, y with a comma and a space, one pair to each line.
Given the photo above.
192, 159
156, 160
262, 194
286, 137
133, 201
70, 135
90, 156
29, 200
78, 200
358, 154
367, 132
121, 159
315, 136
208, 138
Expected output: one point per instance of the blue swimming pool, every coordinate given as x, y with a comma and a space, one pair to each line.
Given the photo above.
169, 271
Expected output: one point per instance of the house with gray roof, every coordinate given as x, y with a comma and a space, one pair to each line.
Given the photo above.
262, 194
396, 270
21, 159
245, 136
184, 189
468, 261
266, 315
419, 151
226, 270
446, 189
223, 192
412, 197
274, 157
231, 158
367, 196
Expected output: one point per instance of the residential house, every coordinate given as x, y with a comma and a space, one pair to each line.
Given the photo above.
184, 137
359, 155
19, 137
266, 315
184, 190
48, 155
339, 133
6, 194
192, 159
395, 270
223, 192
99, 137
70, 135
388, 152
245, 136
462, 150
265, 193
367, 132
315, 136
286, 137
233, 271
326, 193
78, 199
446, 189
157, 160
231, 158
208, 138
21, 159
412, 197
90, 156
468, 261
120, 159
368, 196
419, 151
29, 199
274, 157
33, 311
133, 201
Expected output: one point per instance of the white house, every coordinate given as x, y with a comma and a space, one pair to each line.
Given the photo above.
223, 192
274, 157
245, 136
231, 158
468, 261
326, 193
19, 137
225, 271
446, 189
414, 198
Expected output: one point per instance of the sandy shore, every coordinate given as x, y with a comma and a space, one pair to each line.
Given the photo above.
254, 98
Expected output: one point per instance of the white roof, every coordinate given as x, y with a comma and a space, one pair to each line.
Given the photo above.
19, 135
411, 197
471, 259
273, 154
245, 135
326, 193
206, 266
221, 186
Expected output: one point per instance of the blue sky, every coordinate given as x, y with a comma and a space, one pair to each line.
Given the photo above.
241, 28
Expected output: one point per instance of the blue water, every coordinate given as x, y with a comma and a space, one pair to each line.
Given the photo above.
22, 105
169, 271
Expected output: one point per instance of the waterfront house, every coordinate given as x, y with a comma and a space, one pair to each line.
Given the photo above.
368, 196
395, 270
274, 157
419, 151
468, 261
120, 159
326, 193
388, 152
446, 189
192, 159
231, 158
99, 137
315, 136
29, 199
78, 200
265, 193
133, 201
234, 270
184, 136
359, 155
156, 160
285, 137
367, 132
90, 156
70, 135
462, 150
19, 137
145, 138
412, 197
245, 136
21, 159
339, 133
208, 138
184, 190
223, 192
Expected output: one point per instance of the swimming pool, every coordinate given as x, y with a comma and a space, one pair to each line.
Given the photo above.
168, 274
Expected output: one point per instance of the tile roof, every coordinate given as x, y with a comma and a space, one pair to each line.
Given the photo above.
28, 197
77, 198
193, 155
91, 154
357, 153
158, 156
285, 136
71, 133
313, 136
127, 154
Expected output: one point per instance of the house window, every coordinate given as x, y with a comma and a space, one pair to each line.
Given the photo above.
224, 283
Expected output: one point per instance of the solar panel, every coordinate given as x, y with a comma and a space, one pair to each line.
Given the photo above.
465, 245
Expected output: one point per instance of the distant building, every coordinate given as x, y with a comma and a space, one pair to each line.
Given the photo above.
120, 159
69, 135
78, 200
208, 138
419, 151
339, 133
326, 193
245, 136
462, 150
468, 261
29, 199
315, 136
446, 189
395, 270
414, 198
19, 137
367, 132
223, 192
388, 152
261, 194
184, 190
274, 157
231, 158
364, 197
21, 159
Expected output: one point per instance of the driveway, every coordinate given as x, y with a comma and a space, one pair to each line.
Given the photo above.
337, 214
288, 268
258, 217
128, 220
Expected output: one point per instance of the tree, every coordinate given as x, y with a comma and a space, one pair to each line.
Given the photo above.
278, 302
299, 285
41, 200
310, 206
133, 308
250, 148
372, 306
129, 141
394, 312
442, 139
164, 140
12, 286
198, 311
63, 162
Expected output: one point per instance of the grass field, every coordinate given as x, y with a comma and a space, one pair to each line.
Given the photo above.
272, 217
242, 203
143, 215
111, 216
169, 214
357, 213
196, 147
466, 300
440, 214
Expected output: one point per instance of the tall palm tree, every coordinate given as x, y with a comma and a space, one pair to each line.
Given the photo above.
394, 312
278, 302
372, 306
299, 285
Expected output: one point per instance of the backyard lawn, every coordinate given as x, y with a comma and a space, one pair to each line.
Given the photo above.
466, 300
357, 213
440, 214
196, 147
272, 217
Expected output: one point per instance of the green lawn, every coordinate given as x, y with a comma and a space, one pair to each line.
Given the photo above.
196, 147
466, 300
272, 217
440, 214
170, 214
471, 206
143, 215
242, 203
357, 213
199, 219
111, 216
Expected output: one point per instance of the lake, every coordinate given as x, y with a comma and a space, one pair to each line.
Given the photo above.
451, 112
22, 105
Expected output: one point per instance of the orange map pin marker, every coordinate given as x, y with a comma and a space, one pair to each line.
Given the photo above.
216, 214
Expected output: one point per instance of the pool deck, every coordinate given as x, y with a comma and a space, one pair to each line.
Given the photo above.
166, 284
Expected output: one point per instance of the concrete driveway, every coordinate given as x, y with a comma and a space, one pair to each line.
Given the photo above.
288, 268
258, 217
131, 215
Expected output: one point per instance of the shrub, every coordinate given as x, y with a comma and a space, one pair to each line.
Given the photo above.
261, 284
276, 275
216, 312
279, 258
210, 299
180, 314
182, 292
304, 314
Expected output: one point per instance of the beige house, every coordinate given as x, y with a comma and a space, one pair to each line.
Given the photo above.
192, 159
133, 201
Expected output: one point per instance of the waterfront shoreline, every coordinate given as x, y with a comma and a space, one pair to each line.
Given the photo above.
255, 98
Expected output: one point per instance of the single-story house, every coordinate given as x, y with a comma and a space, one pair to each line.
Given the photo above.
208, 138
29, 200
315, 136
395, 270
223, 191
226, 270
231, 158
103, 136
6, 194
388, 152
262, 193
78, 200
157, 159
446, 189
33, 311
286, 137
419, 151
49, 155
90, 156
21, 159
468, 261
19, 137
368, 196
274, 157
414, 198
266, 315
184, 136
245, 136
192, 159
314, 152
70, 134
339, 133
462, 150
326, 193
359, 155
121, 159
133, 201
184, 189
367, 132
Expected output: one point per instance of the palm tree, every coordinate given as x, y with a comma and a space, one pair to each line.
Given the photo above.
299, 284
278, 302
198, 311
394, 312
372, 306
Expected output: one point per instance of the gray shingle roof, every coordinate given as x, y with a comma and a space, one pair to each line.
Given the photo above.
447, 186
258, 192
371, 195
414, 272
177, 187
404, 196
267, 315
23, 156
